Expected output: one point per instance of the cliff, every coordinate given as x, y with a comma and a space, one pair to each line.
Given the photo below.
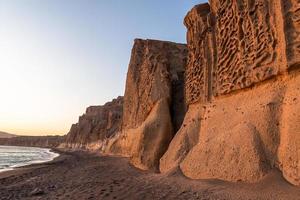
33, 141
224, 106
153, 102
153, 110
241, 91
95, 126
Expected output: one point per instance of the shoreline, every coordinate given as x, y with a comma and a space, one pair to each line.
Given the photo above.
53, 153
87, 175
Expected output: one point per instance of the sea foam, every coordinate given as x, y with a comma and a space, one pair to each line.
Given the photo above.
12, 156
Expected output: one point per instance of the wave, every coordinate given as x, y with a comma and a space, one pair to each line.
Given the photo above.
12, 157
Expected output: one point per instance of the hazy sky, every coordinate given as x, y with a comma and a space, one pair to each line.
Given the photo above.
59, 56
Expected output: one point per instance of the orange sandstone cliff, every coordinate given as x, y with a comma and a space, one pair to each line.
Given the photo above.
226, 106
153, 110
153, 102
242, 91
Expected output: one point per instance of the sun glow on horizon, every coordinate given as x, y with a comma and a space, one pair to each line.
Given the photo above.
40, 77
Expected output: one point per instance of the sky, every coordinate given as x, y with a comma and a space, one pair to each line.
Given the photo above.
58, 57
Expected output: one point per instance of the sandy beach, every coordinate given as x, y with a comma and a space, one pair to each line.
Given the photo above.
81, 175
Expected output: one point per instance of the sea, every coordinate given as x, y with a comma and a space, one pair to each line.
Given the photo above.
12, 156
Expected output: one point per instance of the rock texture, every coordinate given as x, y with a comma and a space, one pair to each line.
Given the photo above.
97, 125
245, 43
153, 102
198, 69
291, 16
155, 68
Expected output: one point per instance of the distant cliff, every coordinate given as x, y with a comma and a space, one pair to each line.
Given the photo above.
33, 141
6, 135
95, 126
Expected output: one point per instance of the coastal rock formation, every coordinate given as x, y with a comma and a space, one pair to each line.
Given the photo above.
97, 125
155, 72
153, 102
242, 72
225, 106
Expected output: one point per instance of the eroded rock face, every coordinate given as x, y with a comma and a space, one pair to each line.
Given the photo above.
246, 43
236, 44
96, 125
155, 68
291, 17
199, 45
153, 101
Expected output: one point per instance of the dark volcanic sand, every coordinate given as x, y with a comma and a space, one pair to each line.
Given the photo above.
80, 175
